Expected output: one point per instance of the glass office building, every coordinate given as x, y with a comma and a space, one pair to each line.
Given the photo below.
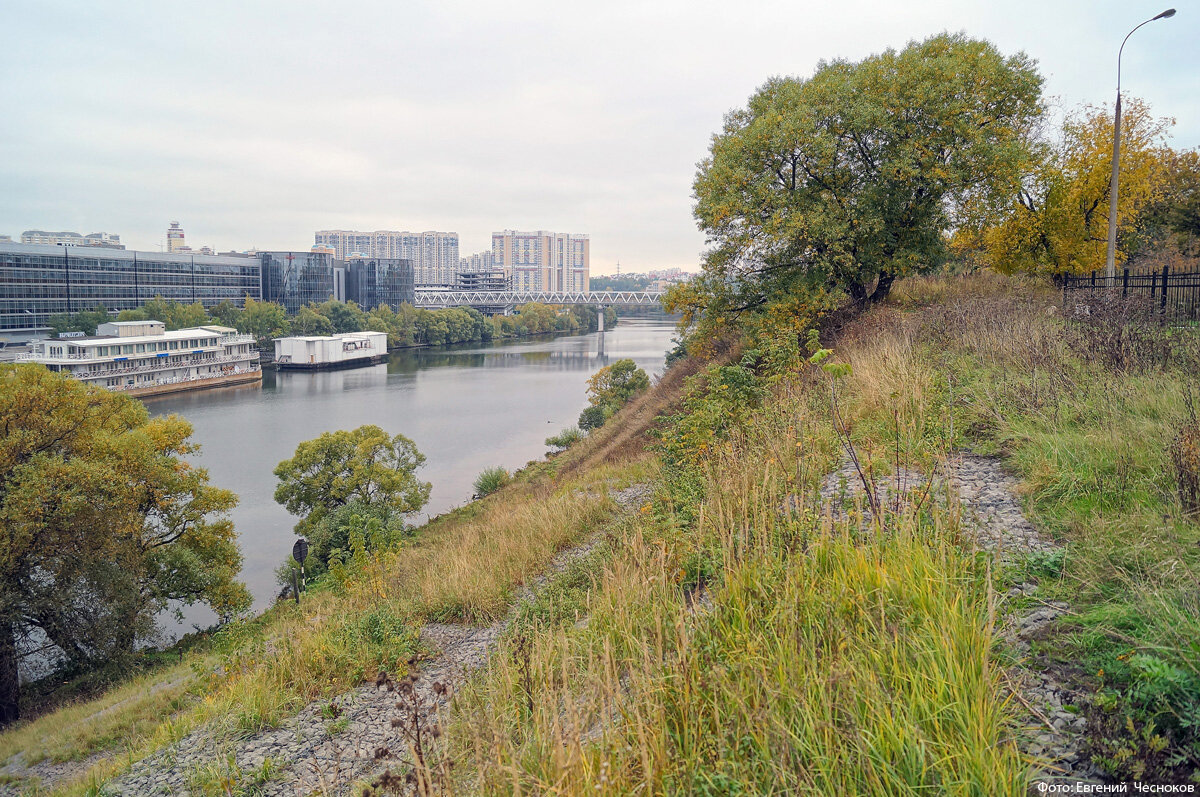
377, 281
293, 279
37, 281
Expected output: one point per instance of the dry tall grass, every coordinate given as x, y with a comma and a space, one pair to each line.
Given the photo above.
763, 651
464, 567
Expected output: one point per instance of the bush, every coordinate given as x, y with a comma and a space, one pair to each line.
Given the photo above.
610, 389
566, 438
330, 538
1185, 454
491, 480
593, 417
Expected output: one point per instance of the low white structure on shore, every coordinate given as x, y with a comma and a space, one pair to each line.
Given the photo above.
143, 358
346, 350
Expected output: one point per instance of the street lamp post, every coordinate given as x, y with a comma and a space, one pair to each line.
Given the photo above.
1110, 268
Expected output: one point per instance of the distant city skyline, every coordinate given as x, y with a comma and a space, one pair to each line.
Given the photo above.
254, 125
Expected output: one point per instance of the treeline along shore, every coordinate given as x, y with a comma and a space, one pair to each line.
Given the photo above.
406, 326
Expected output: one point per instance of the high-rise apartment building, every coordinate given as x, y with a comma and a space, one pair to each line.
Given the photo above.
543, 261
480, 261
434, 255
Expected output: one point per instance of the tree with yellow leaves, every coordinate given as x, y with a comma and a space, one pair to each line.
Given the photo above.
1059, 221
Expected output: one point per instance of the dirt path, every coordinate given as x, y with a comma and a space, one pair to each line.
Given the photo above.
317, 752
988, 497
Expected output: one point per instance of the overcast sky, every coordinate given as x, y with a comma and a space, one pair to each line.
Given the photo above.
256, 123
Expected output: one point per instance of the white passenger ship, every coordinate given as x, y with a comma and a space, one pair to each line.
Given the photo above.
142, 358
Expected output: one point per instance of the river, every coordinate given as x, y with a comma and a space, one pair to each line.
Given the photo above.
466, 407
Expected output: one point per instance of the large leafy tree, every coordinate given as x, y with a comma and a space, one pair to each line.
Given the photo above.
365, 465
852, 178
309, 321
102, 523
83, 321
1058, 221
226, 313
175, 315
1175, 217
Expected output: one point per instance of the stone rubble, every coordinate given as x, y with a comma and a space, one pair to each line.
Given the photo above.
986, 494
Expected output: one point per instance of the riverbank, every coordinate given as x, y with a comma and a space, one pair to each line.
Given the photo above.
468, 407
725, 604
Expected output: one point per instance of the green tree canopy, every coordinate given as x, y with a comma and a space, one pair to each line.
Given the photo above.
610, 389
344, 316
364, 464
309, 321
175, 315
852, 178
83, 321
226, 313
263, 320
102, 524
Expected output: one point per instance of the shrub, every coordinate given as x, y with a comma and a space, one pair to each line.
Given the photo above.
593, 417
491, 480
1185, 454
330, 538
610, 389
566, 438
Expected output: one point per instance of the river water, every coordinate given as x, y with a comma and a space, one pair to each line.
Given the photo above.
466, 407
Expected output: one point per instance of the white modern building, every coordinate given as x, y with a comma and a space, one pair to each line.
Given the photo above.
65, 238
142, 358
317, 352
543, 261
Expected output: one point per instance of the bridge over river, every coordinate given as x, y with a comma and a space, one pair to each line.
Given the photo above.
499, 299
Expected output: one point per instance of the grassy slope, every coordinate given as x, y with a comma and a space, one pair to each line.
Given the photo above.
830, 661
730, 647
461, 567
834, 662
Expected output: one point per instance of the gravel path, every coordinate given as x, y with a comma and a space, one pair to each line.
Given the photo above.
991, 509
987, 496
315, 752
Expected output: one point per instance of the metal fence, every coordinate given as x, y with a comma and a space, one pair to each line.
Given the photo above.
1176, 293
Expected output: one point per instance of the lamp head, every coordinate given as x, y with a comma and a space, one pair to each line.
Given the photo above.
1170, 12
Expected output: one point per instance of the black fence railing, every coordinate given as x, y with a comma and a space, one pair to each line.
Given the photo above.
1176, 293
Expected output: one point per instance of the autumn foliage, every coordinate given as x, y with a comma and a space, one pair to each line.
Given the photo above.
1058, 221
103, 524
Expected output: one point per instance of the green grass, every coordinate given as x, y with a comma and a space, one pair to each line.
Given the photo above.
1091, 442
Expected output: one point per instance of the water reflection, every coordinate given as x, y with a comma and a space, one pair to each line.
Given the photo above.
467, 408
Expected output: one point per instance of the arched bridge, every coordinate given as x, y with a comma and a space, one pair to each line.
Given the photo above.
506, 298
